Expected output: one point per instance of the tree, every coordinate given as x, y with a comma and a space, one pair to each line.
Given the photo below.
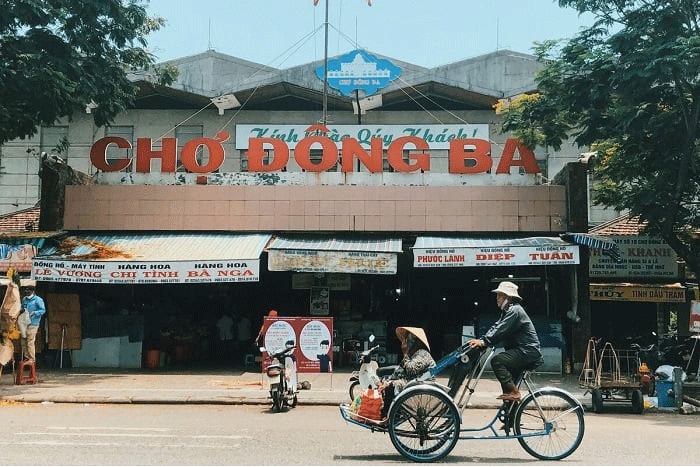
59, 56
628, 87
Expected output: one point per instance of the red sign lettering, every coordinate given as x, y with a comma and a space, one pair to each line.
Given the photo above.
466, 156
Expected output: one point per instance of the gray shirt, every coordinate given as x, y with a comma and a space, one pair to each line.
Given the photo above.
515, 329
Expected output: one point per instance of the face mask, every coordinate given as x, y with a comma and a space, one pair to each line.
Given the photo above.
504, 304
410, 343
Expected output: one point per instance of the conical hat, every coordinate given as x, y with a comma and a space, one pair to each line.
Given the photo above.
417, 332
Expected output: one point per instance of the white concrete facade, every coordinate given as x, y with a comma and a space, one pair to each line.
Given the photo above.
477, 83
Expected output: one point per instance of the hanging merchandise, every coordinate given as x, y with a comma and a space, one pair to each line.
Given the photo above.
9, 311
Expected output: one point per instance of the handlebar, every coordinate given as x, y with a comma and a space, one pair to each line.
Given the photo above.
281, 352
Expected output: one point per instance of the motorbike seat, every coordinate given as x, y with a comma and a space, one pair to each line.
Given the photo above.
386, 370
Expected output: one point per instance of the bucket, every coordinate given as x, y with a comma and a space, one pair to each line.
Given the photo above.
663, 388
152, 359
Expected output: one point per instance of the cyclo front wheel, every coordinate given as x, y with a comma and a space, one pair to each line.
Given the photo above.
424, 424
550, 423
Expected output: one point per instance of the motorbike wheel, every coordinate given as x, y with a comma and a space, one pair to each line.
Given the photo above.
277, 398
355, 390
294, 401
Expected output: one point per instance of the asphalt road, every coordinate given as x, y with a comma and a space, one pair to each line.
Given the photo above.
117, 434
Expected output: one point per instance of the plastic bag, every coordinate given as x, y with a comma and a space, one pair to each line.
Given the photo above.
355, 406
665, 372
11, 305
23, 322
371, 405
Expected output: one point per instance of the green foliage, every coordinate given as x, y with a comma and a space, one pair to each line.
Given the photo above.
628, 87
57, 56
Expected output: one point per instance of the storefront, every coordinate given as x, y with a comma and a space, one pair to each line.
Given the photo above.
349, 210
634, 299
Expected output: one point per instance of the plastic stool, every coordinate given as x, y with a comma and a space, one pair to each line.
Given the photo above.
26, 372
249, 359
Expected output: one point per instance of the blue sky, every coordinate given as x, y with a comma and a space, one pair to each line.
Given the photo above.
286, 33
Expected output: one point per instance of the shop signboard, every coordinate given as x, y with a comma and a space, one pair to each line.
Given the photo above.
312, 336
695, 316
671, 293
642, 257
17, 257
357, 262
151, 272
333, 280
496, 256
437, 136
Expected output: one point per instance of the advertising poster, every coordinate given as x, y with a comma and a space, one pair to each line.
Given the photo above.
312, 336
319, 301
695, 316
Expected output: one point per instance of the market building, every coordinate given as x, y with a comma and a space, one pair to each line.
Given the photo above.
226, 194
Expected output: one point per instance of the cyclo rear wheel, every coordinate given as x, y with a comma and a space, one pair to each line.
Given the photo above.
551, 422
424, 424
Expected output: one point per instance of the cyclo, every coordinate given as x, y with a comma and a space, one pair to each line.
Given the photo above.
424, 420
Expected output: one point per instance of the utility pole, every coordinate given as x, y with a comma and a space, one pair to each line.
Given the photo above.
325, 72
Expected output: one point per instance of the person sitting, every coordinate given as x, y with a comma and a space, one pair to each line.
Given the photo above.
416, 361
522, 346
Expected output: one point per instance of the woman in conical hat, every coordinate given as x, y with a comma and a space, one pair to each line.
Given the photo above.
416, 361
407, 333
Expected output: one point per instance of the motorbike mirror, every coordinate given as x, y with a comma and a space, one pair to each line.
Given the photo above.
371, 338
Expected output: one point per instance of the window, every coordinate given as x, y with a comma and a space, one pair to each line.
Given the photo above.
185, 133
316, 156
114, 153
542, 157
266, 160
54, 140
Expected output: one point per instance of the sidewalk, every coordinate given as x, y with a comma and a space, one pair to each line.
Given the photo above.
219, 386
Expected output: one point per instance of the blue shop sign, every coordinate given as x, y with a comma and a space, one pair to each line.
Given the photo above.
359, 70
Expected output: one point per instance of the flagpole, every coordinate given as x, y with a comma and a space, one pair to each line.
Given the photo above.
325, 72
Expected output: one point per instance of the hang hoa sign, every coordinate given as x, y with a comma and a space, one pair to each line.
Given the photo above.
467, 155
153, 272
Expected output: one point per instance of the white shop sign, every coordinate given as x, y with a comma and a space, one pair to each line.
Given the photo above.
437, 136
151, 272
358, 262
500, 256
642, 257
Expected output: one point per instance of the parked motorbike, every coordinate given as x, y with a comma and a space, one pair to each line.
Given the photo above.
369, 374
282, 377
676, 351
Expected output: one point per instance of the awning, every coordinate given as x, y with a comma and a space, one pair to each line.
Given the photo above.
17, 249
152, 258
608, 247
430, 252
334, 254
629, 292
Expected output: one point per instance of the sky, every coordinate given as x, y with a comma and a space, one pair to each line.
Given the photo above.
287, 33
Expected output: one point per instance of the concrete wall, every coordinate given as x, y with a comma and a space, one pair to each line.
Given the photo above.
317, 208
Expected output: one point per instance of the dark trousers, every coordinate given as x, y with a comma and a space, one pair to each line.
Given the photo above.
508, 365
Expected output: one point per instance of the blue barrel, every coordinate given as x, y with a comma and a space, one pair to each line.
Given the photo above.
663, 388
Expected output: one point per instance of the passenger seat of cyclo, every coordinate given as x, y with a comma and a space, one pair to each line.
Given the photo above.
416, 361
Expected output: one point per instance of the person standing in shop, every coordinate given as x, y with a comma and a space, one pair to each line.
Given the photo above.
35, 308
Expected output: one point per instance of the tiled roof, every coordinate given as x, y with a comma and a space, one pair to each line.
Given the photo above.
26, 220
623, 225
